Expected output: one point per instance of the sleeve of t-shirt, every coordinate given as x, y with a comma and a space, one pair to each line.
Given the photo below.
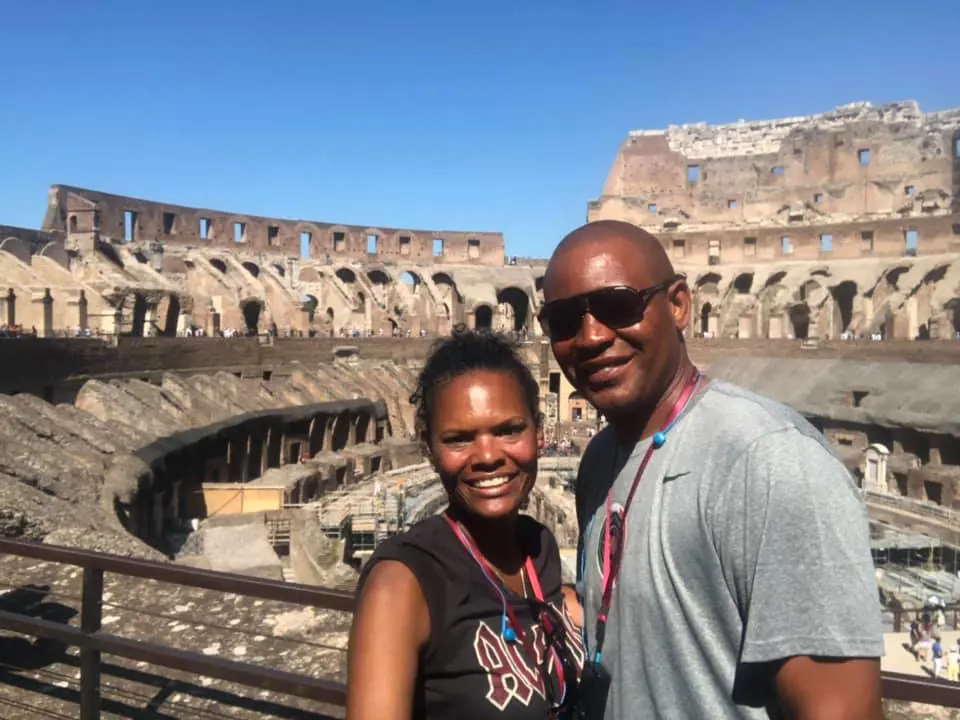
793, 539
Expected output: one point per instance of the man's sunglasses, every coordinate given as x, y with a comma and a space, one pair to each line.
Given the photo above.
616, 307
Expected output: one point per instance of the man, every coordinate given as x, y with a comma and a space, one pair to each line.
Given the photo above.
746, 587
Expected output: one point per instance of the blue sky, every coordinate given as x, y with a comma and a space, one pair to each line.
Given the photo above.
437, 115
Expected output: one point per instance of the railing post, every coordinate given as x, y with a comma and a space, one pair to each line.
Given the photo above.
91, 615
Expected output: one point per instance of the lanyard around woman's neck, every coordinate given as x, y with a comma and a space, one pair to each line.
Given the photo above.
494, 580
613, 548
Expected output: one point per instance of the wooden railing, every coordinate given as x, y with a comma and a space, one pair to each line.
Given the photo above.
92, 641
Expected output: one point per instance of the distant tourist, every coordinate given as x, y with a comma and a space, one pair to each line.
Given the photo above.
725, 560
463, 616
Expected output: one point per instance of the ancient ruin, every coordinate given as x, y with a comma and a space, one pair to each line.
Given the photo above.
846, 222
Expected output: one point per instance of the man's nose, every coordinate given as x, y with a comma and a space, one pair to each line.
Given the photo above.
593, 333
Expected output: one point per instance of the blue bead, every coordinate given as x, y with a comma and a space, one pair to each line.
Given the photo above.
659, 439
510, 635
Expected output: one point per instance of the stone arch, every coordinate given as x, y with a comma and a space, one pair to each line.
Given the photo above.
411, 280
445, 282
844, 295
341, 431
379, 277
109, 252
251, 309
310, 304
140, 258
705, 311
743, 282
171, 316
16, 247
538, 288
310, 275
483, 317
520, 302
278, 268
775, 279
800, 320
893, 275
329, 316
56, 252
346, 275
709, 278
219, 265
252, 268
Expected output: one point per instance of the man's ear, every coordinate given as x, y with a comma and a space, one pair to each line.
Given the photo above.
681, 303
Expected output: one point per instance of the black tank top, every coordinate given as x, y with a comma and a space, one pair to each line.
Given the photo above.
467, 670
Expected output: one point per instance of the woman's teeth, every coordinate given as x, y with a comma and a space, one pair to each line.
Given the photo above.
492, 482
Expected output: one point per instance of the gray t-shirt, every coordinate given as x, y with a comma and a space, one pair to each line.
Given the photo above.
746, 542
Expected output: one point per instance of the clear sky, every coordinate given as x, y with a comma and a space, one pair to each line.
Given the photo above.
495, 115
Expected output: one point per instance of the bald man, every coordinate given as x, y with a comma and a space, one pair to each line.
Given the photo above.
725, 565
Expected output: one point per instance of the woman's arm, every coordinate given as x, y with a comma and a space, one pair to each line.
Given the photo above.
390, 626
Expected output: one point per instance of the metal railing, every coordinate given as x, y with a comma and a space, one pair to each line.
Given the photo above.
918, 507
93, 641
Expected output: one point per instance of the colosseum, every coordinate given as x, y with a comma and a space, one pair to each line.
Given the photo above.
832, 225
213, 391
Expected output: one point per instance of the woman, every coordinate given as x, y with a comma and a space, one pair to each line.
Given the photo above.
463, 616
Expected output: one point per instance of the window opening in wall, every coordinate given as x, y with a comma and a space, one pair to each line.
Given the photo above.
713, 252
956, 146
826, 242
858, 396
909, 190
866, 240
372, 243
777, 170
96, 220
750, 246
129, 226
169, 220
910, 241
473, 249
693, 174
863, 157
438, 247
204, 228
306, 242
339, 242
679, 248
239, 232
652, 208
731, 204
404, 244
554, 383
956, 228
73, 223
786, 245
273, 234
817, 198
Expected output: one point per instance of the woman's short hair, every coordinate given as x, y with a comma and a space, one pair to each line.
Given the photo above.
465, 351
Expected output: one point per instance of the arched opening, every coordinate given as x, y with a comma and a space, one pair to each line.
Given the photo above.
843, 296
411, 280
251, 315
139, 315
279, 269
11, 302
483, 317
709, 279
172, 316
82, 315
363, 423
518, 300
328, 316
341, 432
446, 285
252, 268
378, 277
705, 318
219, 265
347, 275
310, 304
893, 276
775, 279
800, 320
953, 310
140, 258
743, 283
73, 223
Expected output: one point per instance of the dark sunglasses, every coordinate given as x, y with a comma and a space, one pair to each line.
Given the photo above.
616, 307
555, 635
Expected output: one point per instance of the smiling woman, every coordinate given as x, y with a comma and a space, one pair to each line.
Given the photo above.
464, 615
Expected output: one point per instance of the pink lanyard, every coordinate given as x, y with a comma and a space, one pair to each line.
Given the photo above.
612, 557
494, 580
